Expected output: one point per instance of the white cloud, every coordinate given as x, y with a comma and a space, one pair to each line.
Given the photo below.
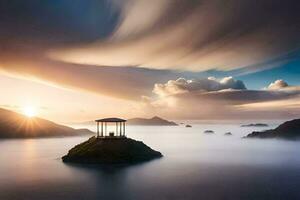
225, 98
278, 84
182, 85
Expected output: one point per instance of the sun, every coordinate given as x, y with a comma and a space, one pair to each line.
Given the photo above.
29, 111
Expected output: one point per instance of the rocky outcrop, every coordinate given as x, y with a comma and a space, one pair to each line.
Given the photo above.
209, 131
288, 130
255, 125
111, 151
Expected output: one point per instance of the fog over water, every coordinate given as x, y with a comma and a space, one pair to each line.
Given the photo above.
195, 165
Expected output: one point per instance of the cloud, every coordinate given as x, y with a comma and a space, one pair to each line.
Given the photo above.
111, 42
120, 82
195, 35
226, 98
131, 23
278, 84
182, 85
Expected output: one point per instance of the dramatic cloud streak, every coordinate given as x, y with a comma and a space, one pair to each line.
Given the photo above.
195, 35
121, 82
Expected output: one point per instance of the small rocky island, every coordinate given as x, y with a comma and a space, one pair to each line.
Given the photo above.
228, 134
255, 125
288, 130
209, 131
111, 148
111, 151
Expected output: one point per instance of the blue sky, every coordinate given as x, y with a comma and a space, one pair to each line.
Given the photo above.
290, 72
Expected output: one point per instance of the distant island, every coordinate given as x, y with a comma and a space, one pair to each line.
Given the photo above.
255, 125
288, 130
228, 134
14, 125
154, 121
111, 151
209, 131
188, 126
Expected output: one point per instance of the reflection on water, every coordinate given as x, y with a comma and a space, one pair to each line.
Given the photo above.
195, 165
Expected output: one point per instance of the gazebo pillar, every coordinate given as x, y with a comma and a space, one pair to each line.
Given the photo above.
124, 128
101, 129
97, 129
116, 128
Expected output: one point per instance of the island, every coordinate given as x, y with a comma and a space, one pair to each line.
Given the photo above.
188, 126
154, 121
209, 131
15, 125
255, 125
111, 151
228, 134
288, 130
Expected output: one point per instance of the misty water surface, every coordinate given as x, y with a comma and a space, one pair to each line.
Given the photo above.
195, 166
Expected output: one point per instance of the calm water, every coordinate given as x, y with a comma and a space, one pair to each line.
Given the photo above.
195, 166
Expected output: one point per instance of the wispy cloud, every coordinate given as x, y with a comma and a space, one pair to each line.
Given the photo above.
195, 35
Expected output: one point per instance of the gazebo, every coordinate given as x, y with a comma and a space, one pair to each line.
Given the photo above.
119, 131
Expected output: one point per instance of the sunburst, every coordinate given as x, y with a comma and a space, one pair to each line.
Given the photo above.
30, 111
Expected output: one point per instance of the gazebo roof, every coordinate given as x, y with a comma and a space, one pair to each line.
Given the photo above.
111, 120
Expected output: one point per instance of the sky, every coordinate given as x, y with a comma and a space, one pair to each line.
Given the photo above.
77, 60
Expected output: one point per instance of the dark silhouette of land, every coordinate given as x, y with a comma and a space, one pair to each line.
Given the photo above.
228, 134
288, 130
111, 151
255, 125
154, 121
14, 125
188, 126
209, 131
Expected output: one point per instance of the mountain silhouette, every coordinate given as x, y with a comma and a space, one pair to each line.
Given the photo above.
287, 130
154, 121
15, 125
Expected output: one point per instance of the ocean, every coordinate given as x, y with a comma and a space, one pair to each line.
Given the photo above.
195, 166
